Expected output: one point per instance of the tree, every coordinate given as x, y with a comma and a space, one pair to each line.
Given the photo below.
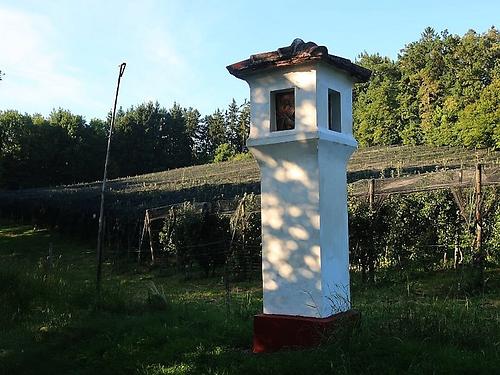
421, 64
14, 158
50, 149
192, 117
420, 97
203, 146
176, 139
150, 138
244, 125
136, 132
375, 111
232, 126
441, 74
216, 128
71, 161
478, 124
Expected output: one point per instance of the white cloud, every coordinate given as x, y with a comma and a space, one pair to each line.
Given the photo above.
165, 68
161, 69
37, 77
53, 59
160, 48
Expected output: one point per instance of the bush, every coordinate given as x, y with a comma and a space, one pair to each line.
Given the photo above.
199, 238
208, 240
368, 229
224, 152
242, 156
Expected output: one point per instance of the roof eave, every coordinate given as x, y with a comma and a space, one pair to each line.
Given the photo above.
246, 68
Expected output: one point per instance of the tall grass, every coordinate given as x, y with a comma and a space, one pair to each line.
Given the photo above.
52, 323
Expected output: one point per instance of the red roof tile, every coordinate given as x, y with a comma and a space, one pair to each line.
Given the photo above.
297, 53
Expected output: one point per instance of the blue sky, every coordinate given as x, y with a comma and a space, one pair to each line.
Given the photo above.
66, 53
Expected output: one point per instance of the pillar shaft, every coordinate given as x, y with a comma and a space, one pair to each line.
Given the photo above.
305, 264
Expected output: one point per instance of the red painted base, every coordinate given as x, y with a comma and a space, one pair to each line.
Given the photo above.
275, 332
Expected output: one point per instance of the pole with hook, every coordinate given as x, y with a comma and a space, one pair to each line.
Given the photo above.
101, 212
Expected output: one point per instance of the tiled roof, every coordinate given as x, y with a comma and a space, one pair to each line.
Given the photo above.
297, 53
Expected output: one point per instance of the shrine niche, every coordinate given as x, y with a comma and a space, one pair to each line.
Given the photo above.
284, 110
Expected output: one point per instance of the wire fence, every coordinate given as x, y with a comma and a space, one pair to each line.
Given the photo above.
248, 261
375, 172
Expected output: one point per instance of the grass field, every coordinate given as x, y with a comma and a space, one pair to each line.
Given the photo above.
151, 323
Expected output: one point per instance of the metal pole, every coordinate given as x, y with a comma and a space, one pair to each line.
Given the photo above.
101, 212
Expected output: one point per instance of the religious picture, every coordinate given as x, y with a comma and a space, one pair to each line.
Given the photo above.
285, 110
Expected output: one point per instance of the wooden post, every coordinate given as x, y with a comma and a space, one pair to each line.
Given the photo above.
172, 219
478, 256
371, 192
50, 257
458, 256
243, 231
235, 219
150, 239
370, 258
140, 241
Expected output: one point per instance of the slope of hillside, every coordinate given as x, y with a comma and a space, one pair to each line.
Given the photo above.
211, 181
75, 208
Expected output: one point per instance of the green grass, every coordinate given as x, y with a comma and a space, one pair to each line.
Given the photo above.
144, 323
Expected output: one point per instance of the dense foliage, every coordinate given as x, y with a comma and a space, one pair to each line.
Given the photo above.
65, 149
196, 237
442, 90
415, 232
207, 240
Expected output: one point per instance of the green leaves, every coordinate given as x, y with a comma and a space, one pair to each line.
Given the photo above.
375, 121
479, 123
224, 152
440, 91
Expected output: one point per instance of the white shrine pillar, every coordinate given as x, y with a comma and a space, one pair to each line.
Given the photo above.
301, 136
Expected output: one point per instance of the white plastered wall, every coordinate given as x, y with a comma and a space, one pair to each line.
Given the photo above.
303, 80
305, 263
331, 78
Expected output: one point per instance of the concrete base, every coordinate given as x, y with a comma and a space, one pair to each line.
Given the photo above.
274, 332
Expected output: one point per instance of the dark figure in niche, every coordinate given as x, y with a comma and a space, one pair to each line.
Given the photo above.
285, 110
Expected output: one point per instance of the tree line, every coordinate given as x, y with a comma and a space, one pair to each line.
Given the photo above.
63, 148
443, 89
